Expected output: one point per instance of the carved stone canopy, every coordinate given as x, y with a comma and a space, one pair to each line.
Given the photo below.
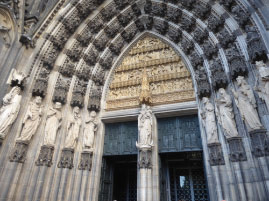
145, 95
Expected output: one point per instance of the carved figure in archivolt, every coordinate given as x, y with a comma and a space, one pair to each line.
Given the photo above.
89, 131
145, 121
53, 124
245, 101
209, 121
225, 115
73, 128
10, 109
31, 120
262, 84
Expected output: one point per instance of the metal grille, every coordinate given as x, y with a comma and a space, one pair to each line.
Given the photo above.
187, 185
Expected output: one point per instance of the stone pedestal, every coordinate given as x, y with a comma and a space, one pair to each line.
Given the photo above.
19, 152
145, 184
85, 162
237, 150
66, 159
215, 154
259, 143
45, 156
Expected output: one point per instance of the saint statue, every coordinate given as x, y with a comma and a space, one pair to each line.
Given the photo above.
31, 120
10, 109
225, 115
53, 123
73, 128
262, 84
245, 101
209, 121
145, 127
89, 131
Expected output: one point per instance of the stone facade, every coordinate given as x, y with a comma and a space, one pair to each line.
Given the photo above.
70, 53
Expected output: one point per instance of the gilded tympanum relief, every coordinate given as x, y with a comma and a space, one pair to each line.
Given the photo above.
170, 81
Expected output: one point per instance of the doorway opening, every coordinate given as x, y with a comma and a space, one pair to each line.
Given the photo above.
119, 178
183, 177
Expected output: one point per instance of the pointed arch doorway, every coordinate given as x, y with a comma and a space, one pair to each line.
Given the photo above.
172, 93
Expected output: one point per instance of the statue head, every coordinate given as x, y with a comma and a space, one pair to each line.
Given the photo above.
38, 100
205, 100
240, 80
92, 114
58, 105
222, 92
76, 111
260, 64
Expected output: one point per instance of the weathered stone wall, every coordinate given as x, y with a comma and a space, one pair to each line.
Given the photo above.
85, 40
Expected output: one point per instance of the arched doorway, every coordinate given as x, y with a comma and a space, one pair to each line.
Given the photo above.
177, 152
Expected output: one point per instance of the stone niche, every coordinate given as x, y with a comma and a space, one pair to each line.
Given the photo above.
170, 81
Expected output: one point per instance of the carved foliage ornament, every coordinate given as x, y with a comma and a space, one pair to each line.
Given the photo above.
173, 14
215, 23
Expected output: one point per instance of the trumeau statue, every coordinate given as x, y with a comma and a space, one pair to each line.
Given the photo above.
53, 123
89, 131
10, 109
245, 101
262, 84
209, 121
73, 128
31, 120
145, 121
225, 115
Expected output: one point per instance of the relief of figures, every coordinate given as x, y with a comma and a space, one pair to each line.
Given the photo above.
10, 109
53, 124
225, 114
73, 129
31, 120
209, 121
262, 84
89, 131
245, 101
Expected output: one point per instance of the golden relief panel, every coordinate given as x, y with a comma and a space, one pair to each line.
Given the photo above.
169, 80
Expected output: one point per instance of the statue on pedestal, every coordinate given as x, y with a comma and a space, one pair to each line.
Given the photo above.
262, 84
225, 115
73, 129
209, 121
53, 123
89, 131
245, 101
31, 120
10, 109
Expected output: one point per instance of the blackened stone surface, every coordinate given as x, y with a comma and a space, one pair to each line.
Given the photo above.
45, 156
237, 150
66, 159
215, 154
19, 152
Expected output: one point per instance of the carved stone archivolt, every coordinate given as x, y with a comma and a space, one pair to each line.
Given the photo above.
169, 80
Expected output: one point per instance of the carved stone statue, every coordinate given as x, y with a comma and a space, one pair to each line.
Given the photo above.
245, 101
53, 123
262, 84
31, 120
17, 77
145, 127
73, 128
209, 121
89, 131
10, 109
225, 115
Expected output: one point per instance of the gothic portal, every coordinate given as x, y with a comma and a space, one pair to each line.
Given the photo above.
134, 100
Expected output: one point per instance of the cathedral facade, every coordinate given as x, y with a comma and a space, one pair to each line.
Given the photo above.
134, 100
